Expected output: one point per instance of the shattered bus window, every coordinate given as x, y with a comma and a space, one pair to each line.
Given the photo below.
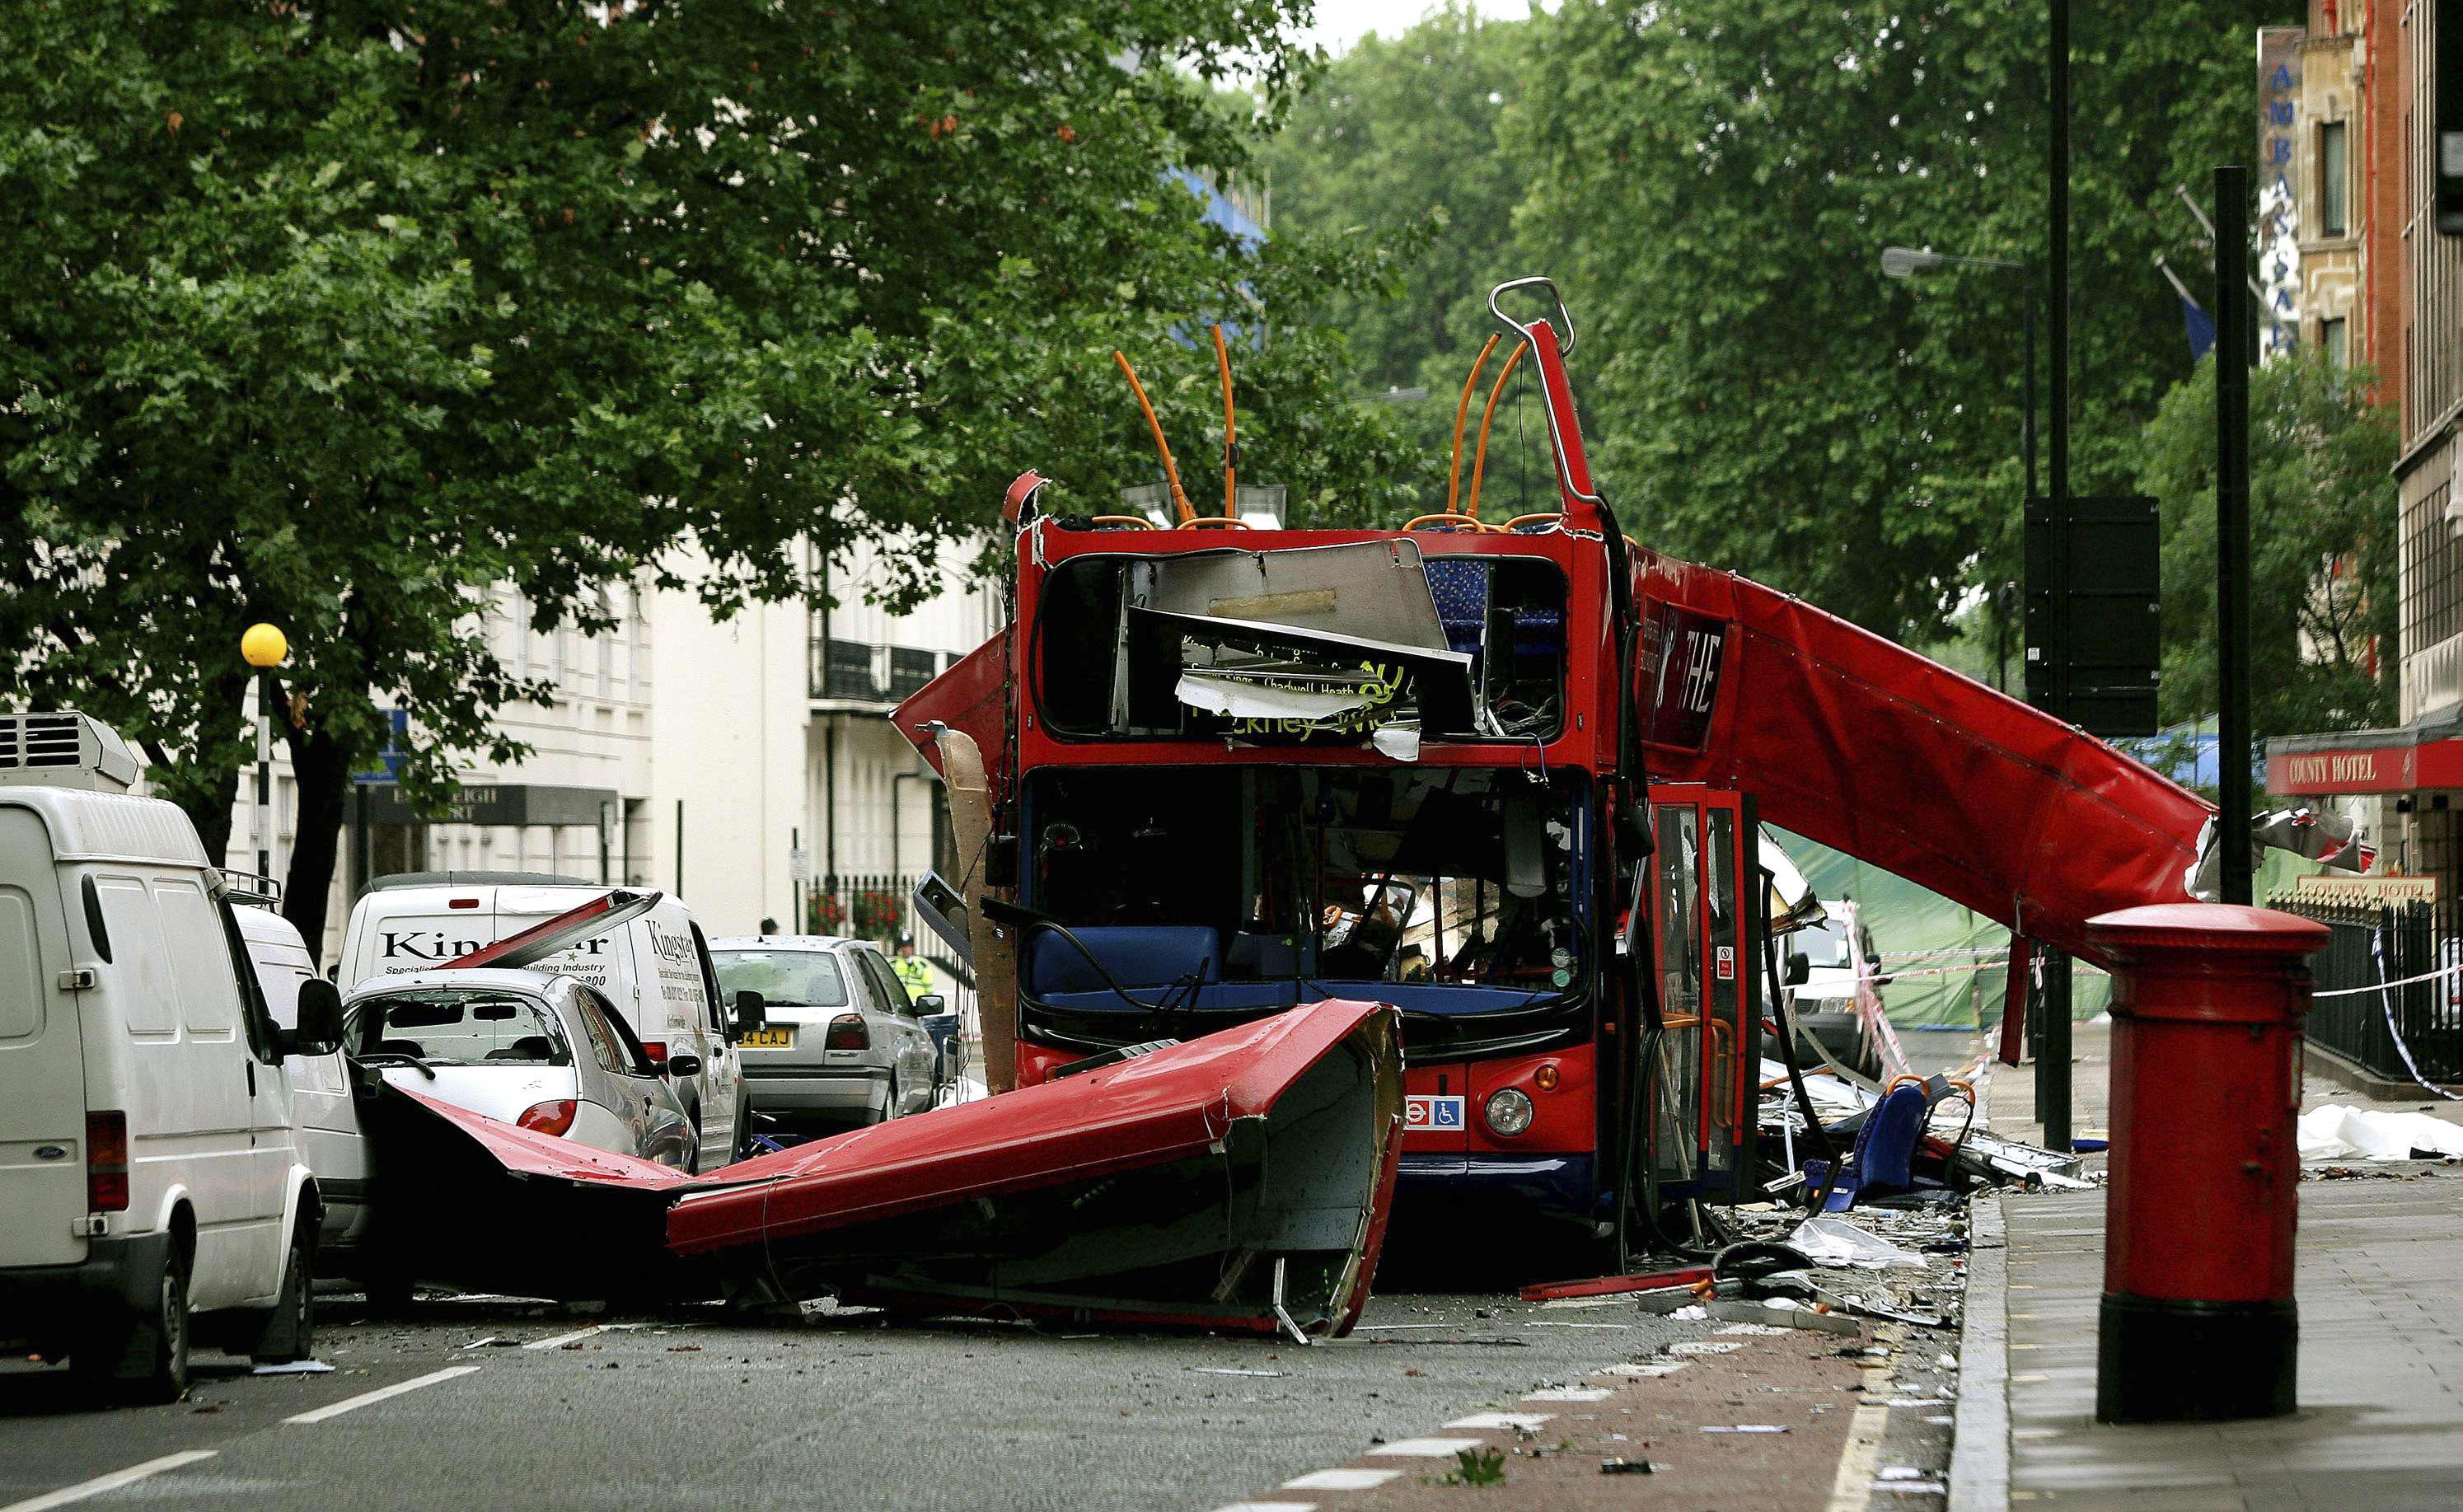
1220, 892
1366, 642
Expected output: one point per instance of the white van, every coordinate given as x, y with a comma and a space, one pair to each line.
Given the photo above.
655, 968
324, 1114
148, 1168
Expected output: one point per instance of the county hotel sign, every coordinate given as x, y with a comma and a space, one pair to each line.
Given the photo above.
2367, 769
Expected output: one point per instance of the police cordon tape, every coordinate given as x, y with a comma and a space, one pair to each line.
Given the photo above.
2378, 954
2080, 968
2385, 1002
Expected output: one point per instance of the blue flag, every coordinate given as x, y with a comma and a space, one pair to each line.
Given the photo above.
2201, 327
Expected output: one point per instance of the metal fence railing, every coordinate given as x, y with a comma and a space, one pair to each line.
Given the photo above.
877, 906
2370, 944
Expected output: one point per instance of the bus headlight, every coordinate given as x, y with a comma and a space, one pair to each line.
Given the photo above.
1508, 1112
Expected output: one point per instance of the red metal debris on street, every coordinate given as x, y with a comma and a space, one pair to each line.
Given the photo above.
1614, 1285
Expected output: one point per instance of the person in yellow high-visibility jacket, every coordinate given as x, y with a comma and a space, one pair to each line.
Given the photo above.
911, 972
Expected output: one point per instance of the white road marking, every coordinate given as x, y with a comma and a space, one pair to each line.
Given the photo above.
559, 1341
1426, 1448
382, 1394
1568, 1394
1268, 1506
1851, 1489
1529, 1420
1343, 1479
1645, 1371
110, 1482
1705, 1347
1545, 1324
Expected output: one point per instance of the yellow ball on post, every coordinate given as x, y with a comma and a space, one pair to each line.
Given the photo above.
263, 646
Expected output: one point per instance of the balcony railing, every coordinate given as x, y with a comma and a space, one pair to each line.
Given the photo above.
860, 671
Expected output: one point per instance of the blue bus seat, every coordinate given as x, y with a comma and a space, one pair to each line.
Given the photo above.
1883, 1159
1459, 586
1136, 954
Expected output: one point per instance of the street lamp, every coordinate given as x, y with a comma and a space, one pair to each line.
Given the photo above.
263, 647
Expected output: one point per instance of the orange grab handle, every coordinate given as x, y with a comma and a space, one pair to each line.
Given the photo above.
1462, 413
1170, 472
1132, 521
1213, 522
1488, 417
1463, 522
1223, 360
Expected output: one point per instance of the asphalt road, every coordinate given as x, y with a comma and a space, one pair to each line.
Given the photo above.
692, 1408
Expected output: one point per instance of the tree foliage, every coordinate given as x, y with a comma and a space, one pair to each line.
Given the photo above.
1397, 136
338, 315
2322, 515
1714, 180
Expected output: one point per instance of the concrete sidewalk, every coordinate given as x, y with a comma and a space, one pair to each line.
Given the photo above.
2380, 1283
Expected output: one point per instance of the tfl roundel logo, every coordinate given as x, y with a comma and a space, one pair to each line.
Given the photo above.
1432, 1112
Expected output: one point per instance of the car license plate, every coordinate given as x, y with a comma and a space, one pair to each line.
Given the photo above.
781, 1038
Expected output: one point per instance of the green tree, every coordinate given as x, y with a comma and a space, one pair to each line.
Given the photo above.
1396, 144
1714, 180
339, 314
1399, 133
2322, 516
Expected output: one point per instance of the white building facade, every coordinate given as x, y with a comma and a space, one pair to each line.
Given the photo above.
738, 763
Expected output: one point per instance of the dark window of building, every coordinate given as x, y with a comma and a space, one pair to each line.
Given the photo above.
2433, 578
2334, 181
2334, 338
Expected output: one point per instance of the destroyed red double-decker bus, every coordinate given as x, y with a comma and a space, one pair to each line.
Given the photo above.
1508, 779
1249, 817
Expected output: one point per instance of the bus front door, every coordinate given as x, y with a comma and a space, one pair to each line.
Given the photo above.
1700, 1075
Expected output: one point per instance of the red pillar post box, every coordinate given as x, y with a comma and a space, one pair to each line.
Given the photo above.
2198, 1319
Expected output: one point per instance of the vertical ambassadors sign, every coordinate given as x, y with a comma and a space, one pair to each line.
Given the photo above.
2279, 199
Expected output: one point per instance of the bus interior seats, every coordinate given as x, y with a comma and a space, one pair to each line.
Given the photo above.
1459, 585
1138, 955
1538, 634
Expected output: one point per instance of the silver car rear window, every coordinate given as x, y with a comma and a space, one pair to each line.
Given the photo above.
459, 1027
784, 978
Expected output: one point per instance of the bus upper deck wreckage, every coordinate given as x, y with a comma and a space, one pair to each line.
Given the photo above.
1508, 776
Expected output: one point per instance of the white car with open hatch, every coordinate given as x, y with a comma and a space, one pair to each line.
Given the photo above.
540, 1051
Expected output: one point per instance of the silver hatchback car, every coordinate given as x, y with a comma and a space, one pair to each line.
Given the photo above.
841, 1044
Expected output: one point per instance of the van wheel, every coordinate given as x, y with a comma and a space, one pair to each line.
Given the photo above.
290, 1329
144, 1359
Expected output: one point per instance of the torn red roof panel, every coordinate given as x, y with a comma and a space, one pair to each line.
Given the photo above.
1865, 745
